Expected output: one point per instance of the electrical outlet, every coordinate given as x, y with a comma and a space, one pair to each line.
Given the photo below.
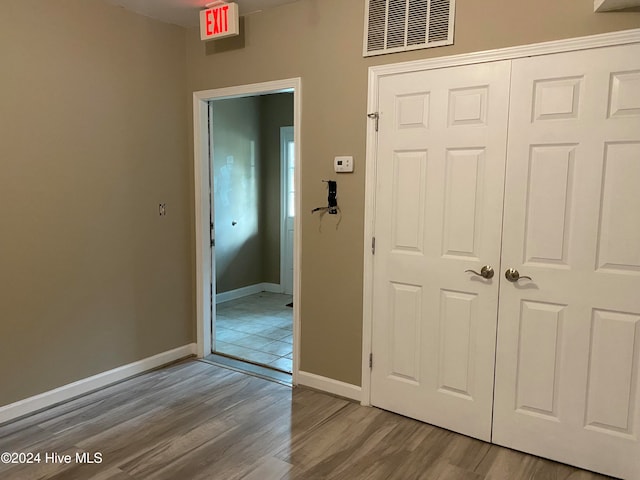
162, 209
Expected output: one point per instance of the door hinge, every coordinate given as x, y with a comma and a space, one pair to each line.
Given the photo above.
212, 236
373, 245
376, 116
371, 360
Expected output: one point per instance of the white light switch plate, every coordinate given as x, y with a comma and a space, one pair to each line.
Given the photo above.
343, 164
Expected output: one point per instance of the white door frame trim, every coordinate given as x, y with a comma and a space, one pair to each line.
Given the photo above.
375, 73
283, 201
203, 205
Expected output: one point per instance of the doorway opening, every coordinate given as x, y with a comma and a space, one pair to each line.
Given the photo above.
247, 141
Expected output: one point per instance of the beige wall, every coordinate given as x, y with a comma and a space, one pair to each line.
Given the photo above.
321, 41
93, 136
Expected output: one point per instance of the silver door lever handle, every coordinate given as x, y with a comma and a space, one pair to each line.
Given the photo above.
513, 275
485, 272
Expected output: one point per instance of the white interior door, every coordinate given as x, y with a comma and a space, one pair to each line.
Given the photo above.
287, 150
568, 348
440, 179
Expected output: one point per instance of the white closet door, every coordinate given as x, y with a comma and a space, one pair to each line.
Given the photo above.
568, 353
440, 181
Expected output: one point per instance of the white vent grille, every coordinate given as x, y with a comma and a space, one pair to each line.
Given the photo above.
400, 25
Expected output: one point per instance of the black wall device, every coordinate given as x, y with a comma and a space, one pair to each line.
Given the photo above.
333, 192
332, 200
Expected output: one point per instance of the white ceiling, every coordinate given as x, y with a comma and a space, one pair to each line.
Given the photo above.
185, 12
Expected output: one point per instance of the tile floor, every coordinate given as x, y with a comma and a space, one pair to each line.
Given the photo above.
257, 328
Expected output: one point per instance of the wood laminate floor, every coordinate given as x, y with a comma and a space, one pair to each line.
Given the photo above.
194, 420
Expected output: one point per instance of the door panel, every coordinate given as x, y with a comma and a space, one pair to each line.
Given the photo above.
610, 396
540, 326
440, 171
548, 204
618, 239
463, 191
404, 348
455, 370
569, 339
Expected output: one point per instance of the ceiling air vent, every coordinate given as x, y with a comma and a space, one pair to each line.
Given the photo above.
401, 25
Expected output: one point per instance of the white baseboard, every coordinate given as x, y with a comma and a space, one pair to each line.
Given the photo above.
246, 291
329, 385
89, 384
271, 287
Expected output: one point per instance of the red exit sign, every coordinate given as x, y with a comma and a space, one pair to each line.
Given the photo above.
219, 21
